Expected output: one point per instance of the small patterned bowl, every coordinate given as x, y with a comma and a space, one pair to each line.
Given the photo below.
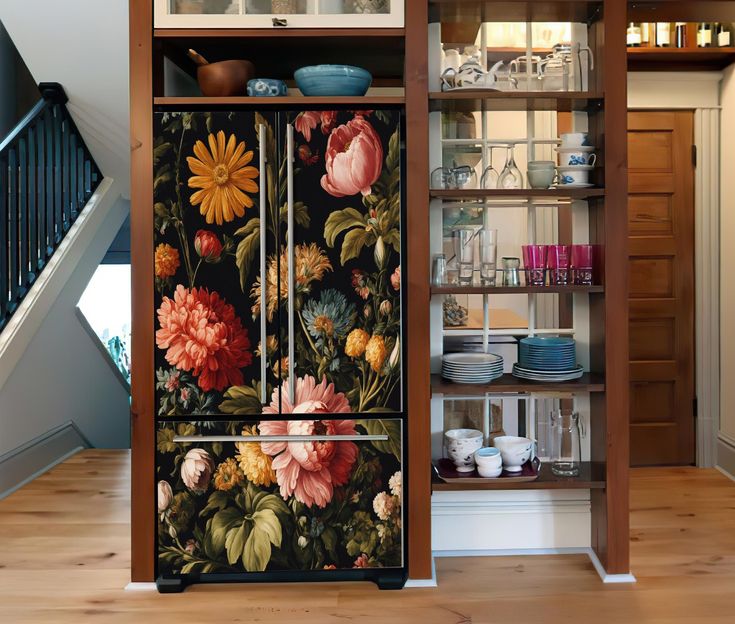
266, 87
332, 80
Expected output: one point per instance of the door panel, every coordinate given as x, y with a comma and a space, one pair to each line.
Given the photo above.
347, 237
661, 287
208, 177
229, 505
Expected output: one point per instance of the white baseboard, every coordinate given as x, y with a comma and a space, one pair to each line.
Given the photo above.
25, 463
725, 456
609, 578
140, 587
430, 582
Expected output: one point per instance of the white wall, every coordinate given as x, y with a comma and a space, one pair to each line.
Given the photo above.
61, 375
726, 435
83, 45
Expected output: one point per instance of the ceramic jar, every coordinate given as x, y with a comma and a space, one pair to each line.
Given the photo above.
461, 445
514, 451
489, 462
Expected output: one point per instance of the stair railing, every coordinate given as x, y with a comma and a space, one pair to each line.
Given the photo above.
47, 176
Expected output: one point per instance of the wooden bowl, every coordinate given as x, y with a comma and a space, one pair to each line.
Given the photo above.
225, 78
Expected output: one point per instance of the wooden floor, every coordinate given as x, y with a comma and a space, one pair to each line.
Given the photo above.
65, 551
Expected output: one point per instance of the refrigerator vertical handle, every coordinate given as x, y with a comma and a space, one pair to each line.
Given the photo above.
290, 261
262, 184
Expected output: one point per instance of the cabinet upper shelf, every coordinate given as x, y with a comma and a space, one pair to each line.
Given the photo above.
679, 59
586, 11
470, 100
538, 196
291, 100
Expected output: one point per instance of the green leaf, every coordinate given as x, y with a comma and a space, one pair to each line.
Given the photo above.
235, 543
392, 161
246, 248
300, 214
391, 428
162, 178
217, 500
342, 220
257, 551
241, 400
393, 238
273, 503
159, 151
353, 243
220, 524
329, 537
268, 522
165, 440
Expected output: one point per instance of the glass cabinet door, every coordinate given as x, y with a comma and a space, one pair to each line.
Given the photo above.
289, 13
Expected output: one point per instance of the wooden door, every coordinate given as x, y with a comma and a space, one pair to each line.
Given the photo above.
661, 294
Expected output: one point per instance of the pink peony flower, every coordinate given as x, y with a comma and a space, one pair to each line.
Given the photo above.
310, 470
305, 122
196, 470
395, 279
165, 496
354, 159
361, 562
207, 245
201, 333
328, 119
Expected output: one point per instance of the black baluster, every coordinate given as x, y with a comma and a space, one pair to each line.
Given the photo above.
41, 182
4, 295
87, 179
49, 164
32, 207
81, 196
13, 280
73, 177
23, 215
65, 171
58, 186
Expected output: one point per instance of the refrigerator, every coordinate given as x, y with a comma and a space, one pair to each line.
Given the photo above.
279, 339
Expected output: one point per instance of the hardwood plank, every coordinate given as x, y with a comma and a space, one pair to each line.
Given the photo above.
682, 548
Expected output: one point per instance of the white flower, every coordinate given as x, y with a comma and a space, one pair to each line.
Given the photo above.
196, 470
383, 504
165, 496
302, 541
396, 484
395, 354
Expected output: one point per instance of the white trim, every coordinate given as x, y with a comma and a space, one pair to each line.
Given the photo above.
140, 587
27, 319
725, 473
698, 91
609, 578
419, 583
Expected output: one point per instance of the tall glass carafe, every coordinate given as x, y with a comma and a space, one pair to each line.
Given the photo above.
566, 443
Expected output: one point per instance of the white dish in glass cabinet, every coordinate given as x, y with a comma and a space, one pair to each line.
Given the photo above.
279, 14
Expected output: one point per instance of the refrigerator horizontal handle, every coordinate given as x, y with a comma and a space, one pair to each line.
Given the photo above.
282, 438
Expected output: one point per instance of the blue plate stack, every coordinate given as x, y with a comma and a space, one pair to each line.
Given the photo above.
472, 368
547, 358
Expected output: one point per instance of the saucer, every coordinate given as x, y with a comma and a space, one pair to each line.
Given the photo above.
574, 186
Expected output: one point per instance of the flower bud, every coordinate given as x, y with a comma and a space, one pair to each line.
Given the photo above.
208, 246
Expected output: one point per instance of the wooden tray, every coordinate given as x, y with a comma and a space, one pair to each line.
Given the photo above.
446, 471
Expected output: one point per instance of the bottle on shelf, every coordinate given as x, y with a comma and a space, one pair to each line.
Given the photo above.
724, 36
633, 37
704, 35
646, 34
681, 34
663, 34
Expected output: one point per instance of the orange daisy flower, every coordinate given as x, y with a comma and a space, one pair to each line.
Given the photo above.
223, 176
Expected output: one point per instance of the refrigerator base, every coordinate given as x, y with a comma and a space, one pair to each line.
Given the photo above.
384, 579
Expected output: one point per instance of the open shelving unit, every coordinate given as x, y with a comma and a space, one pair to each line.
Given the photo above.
595, 315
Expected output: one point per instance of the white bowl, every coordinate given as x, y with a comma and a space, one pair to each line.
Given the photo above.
515, 451
489, 473
461, 446
488, 458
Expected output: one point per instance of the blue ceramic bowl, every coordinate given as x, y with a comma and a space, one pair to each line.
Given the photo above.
266, 87
332, 80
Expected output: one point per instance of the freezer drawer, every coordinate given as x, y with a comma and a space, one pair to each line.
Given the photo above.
244, 500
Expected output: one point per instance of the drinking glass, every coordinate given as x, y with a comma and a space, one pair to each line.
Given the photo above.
557, 261
582, 263
566, 443
464, 252
488, 256
511, 176
443, 178
534, 258
511, 273
490, 176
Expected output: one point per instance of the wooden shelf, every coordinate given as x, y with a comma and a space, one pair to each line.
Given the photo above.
290, 100
681, 11
281, 33
589, 382
679, 59
510, 290
472, 100
514, 11
591, 476
538, 195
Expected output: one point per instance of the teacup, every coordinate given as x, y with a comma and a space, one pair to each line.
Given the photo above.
514, 451
575, 139
541, 164
541, 178
574, 175
489, 462
461, 446
573, 156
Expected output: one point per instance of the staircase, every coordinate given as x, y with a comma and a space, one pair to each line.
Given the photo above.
47, 176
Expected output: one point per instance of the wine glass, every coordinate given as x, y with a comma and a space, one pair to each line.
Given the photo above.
511, 176
490, 176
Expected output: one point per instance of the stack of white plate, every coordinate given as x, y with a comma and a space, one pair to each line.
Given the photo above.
472, 368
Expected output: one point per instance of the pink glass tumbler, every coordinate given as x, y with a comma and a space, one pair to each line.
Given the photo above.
582, 263
534, 259
557, 261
